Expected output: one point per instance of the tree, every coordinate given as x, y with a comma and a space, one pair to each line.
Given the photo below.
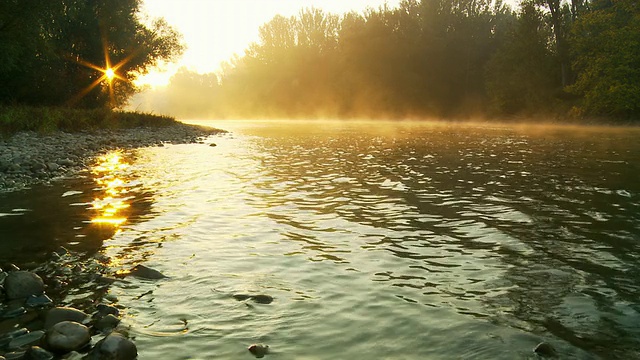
606, 44
521, 76
65, 46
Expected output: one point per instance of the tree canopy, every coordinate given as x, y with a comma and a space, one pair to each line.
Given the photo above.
56, 52
442, 58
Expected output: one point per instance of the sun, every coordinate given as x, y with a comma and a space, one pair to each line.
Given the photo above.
109, 74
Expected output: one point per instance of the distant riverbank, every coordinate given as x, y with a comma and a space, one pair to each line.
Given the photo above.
41, 145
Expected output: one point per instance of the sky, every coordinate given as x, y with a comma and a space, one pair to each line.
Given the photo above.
213, 30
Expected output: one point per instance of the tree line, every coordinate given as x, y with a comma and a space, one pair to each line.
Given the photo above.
56, 52
442, 58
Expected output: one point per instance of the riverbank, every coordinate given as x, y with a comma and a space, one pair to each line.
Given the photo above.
31, 157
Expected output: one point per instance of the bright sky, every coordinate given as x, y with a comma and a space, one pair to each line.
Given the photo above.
214, 30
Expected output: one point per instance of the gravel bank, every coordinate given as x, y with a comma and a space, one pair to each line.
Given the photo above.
28, 158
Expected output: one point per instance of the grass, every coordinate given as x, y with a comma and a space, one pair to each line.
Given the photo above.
44, 120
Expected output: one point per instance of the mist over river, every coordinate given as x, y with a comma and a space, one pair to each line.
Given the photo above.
376, 240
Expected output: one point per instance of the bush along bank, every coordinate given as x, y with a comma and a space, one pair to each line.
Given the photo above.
31, 156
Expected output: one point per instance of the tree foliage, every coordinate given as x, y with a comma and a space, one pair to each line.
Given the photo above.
606, 44
52, 51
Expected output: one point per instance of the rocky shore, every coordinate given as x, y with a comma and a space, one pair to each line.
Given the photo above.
28, 158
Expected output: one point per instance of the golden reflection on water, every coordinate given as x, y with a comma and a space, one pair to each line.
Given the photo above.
108, 174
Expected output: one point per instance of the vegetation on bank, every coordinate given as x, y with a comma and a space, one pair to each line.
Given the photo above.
553, 59
48, 119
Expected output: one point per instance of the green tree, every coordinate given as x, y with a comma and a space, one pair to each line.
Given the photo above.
63, 44
606, 44
521, 76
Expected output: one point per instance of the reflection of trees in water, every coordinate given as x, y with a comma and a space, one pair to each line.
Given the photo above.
499, 227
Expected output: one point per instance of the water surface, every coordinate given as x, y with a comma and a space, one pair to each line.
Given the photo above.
376, 240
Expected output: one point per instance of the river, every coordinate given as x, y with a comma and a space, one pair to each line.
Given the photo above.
376, 240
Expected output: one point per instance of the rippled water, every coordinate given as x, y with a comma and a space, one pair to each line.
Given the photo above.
376, 240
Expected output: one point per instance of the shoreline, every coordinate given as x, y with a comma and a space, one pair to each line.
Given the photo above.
29, 158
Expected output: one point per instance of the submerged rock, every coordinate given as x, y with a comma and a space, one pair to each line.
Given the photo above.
259, 350
106, 323
545, 349
67, 336
22, 284
262, 299
145, 272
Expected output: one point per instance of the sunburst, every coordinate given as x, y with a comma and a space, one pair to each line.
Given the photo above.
109, 74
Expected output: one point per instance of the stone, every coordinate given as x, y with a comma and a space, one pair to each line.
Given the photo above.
42, 300
262, 299
145, 272
545, 349
14, 355
107, 323
60, 314
22, 284
52, 166
73, 355
67, 336
25, 340
37, 353
259, 350
114, 347
104, 310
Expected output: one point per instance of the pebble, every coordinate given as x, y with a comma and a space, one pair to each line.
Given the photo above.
28, 158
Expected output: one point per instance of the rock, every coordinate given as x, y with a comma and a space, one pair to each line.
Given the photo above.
107, 323
10, 325
52, 166
38, 301
14, 355
74, 355
212, 145
104, 310
114, 347
262, 299
25, 340
22, 284
11, 267
145, 272
37, 353
259, 350
241, 297
14, 313
67, 336
545, 349
60, 314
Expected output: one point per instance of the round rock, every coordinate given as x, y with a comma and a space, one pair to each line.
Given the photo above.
22, 284
67, 336
60, 314
114, 347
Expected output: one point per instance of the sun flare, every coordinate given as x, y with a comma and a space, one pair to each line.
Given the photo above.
110, 74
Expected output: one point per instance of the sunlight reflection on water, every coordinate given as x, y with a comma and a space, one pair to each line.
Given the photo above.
380, 241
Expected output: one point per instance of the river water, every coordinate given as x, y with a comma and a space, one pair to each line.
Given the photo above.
375, 240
